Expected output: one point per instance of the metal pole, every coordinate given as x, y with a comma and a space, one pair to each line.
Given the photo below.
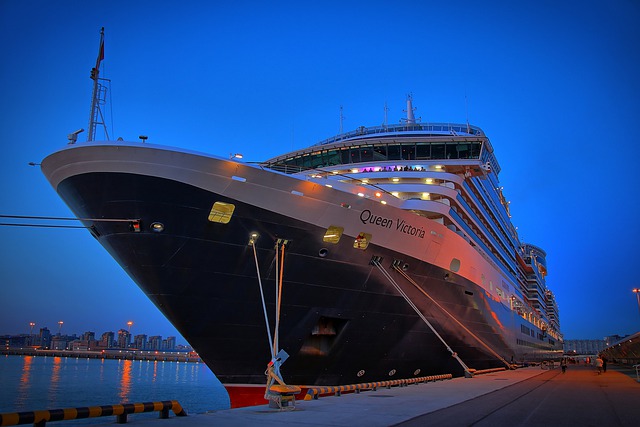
637, 292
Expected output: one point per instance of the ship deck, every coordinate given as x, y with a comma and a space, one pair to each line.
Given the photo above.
525, 397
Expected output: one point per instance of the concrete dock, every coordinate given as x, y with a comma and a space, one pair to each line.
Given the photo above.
523, 397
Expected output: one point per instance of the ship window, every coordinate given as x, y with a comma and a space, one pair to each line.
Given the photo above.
408, 152
362, 241
423, 151
380, 152
437, 151
333, 234
394, 152
452, 151
454, 265
221, 212
366, 153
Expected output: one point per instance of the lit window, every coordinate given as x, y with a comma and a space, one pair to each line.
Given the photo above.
221, 212
362, 241
333, 234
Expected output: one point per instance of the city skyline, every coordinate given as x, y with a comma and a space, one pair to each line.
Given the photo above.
553, 85
34, 328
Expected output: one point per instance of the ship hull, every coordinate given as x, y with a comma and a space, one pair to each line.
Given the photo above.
342, 320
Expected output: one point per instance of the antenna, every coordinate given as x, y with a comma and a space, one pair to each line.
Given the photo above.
466, 111
98, 96
386, 110
341, 120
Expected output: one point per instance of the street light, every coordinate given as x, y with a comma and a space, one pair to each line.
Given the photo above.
637, 292
31, 325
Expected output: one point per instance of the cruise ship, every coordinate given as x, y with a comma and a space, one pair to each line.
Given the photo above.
382, 253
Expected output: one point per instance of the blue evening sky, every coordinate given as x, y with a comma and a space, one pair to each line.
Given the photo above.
555, 85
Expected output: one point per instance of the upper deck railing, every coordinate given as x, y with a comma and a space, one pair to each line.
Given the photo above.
434, 128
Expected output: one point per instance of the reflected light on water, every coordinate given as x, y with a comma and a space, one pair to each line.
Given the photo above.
23, 390
125, 380
55, 379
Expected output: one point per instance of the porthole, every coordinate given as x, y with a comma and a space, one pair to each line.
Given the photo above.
158, 227
323, 252
454, 265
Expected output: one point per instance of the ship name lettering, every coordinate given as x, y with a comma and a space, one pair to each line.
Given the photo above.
366, 216
409, 229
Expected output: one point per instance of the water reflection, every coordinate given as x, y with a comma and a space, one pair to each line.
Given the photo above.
55, 379
23, 388
125, 380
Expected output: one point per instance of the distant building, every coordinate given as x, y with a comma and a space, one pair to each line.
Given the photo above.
124, 338
140, 342
155, 342
171, 343
88, 336
107, 339
584, 346
59, 342
44, 338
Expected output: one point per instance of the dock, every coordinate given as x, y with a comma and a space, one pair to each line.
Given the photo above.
524, 397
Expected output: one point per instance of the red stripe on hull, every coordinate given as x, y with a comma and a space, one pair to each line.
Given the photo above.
243, 395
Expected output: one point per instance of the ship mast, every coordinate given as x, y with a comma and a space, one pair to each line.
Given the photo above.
98, 95
411, 118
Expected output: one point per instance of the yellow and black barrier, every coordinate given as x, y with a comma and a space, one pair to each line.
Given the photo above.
315, 392
40, 418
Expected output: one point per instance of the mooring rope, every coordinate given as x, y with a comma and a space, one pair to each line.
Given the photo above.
264, 306
492, 351
422, 316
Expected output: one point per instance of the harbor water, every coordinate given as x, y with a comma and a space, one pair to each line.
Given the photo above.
32, 383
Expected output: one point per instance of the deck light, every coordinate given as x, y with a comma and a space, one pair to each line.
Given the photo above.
253, 237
